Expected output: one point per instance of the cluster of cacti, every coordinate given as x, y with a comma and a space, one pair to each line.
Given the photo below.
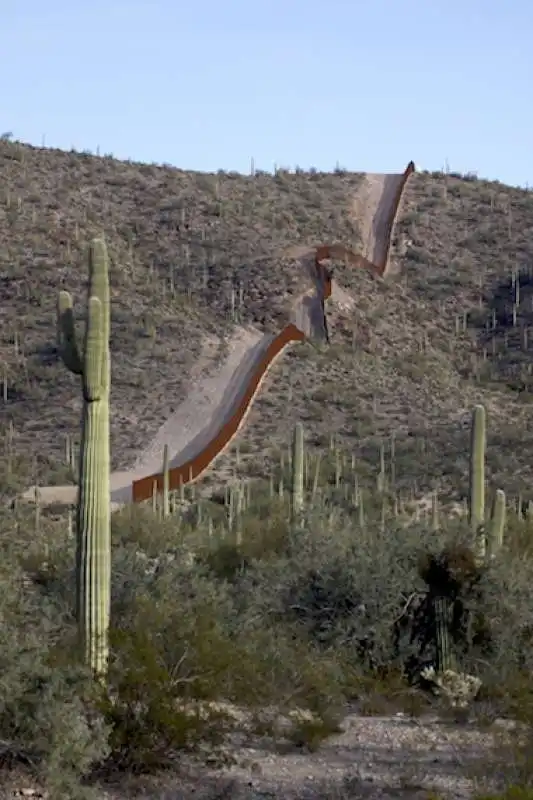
486, 541
93, 525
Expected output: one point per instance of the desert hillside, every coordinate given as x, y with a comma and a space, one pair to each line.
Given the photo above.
195, 255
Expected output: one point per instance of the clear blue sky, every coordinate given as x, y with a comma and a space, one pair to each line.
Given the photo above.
205, 84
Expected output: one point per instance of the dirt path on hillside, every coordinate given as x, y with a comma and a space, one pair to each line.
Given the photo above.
377, 192
369, 197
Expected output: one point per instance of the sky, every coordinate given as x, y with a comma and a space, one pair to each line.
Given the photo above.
208, 85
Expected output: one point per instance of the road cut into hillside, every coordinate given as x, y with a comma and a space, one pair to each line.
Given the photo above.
206, 423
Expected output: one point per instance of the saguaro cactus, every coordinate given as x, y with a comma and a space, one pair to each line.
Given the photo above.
297, 469
93, 524
477, 479
443, 609
497, 525
166, 482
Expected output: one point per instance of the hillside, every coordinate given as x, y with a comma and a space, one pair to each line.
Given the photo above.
194, 255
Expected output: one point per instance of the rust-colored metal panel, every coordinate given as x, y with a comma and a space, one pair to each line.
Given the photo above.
191, 470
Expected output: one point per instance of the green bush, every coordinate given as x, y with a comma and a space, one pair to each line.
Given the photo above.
46, 724
173, 664
142, 707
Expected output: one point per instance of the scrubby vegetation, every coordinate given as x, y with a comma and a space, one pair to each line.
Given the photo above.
225, 620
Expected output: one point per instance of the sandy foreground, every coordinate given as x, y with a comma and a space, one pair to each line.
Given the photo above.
394, 756
374, 757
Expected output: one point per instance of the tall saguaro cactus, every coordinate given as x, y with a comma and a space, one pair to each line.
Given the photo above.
93, 548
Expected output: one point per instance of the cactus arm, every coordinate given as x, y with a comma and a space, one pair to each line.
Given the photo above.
93, 376
67, 334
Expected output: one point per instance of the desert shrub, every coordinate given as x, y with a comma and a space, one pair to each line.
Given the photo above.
45, 724
290, 618
225, 561
150, 716
506, 588
340, 584
518, 540
179, 649
138, 526
363, 591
